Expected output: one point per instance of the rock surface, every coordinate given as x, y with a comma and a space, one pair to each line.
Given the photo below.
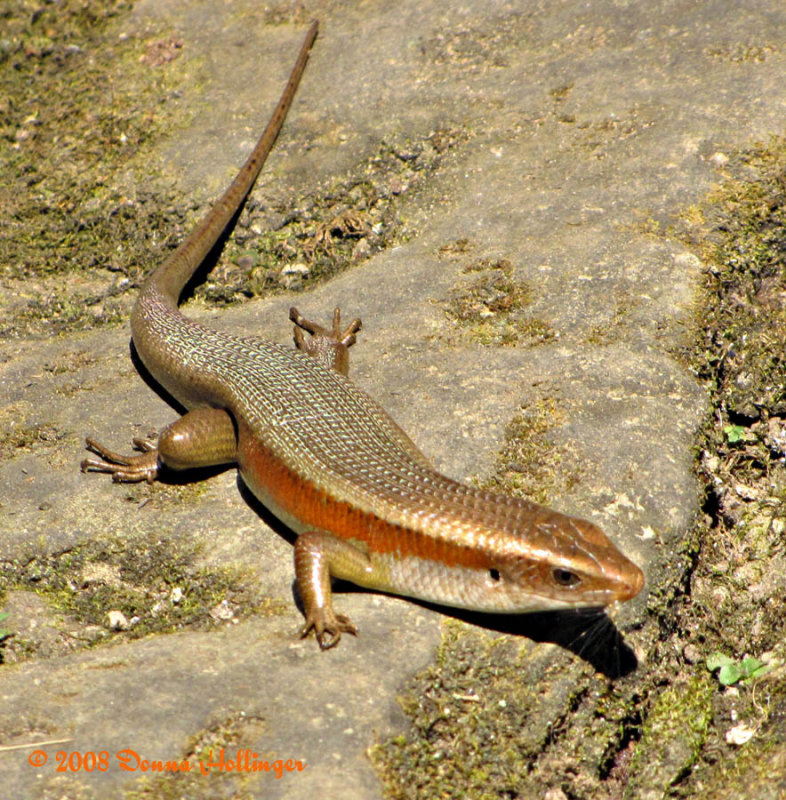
588, 128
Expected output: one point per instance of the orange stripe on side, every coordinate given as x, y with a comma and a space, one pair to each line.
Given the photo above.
315, 509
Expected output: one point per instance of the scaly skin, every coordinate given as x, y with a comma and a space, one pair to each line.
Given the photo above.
328, 461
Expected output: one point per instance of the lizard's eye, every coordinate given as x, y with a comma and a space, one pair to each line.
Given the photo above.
494, 575
564, 577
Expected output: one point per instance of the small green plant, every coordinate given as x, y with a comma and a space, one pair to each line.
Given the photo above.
731, 671
734, 433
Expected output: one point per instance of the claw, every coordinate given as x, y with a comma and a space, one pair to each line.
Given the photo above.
123, 469
346, 337
328, 627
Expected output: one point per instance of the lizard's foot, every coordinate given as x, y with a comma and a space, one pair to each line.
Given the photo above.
124, 469
346, 337
327, 626
328, 345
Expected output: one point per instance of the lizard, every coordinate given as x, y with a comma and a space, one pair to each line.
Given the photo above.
367, 506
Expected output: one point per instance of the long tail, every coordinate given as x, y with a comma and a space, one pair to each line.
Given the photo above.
169, 279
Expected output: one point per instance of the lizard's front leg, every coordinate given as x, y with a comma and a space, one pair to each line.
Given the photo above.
318, 556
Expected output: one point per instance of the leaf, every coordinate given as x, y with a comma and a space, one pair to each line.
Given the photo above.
758, 672
730, 673
718, 660
734, 433
750, 664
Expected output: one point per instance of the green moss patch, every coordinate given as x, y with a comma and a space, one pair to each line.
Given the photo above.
279, 247
235, 732
79, 104
478, 726
28, 437
132, 588
531, 466
488, 306
673, 736
469, 714
735, 601
741, 353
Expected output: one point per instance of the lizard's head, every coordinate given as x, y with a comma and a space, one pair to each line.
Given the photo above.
561, 562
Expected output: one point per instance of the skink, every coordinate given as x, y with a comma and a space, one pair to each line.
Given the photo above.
330, 463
